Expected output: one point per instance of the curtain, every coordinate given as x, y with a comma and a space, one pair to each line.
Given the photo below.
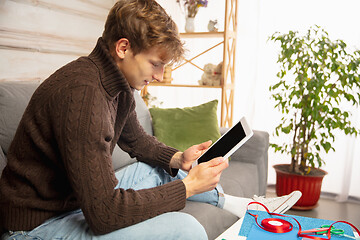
256, 71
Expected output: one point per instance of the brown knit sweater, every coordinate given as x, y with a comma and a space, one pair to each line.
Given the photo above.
60, 158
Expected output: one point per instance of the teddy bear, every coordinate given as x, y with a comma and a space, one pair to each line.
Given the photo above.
212, 26
212, 75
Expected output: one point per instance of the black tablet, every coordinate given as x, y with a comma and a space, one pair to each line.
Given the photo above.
228, 143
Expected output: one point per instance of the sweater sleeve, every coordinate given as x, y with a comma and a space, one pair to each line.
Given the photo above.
85, 127
135, 141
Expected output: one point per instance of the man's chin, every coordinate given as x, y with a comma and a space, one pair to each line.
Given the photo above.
139, 88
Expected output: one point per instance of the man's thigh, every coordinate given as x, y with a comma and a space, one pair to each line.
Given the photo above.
173, 225
140, 175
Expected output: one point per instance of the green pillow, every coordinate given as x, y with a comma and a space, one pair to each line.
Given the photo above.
183, 127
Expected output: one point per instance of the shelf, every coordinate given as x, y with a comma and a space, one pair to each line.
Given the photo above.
202, 35
230, 34
227, 38
226, 86
182, 85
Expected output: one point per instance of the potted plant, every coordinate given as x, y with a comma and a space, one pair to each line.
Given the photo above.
317, 76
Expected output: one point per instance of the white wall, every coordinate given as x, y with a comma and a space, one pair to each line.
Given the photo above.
257, 71
38, 37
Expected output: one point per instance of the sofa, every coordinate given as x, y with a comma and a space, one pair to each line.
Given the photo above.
246, 176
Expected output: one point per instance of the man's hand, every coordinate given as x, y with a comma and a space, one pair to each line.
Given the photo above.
205, 176
184, 160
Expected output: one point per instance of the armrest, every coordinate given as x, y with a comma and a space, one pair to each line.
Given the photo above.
254, 151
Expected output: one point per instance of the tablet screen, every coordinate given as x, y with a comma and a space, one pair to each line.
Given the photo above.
225, 144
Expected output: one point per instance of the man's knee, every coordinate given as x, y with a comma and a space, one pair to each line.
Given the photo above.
186, 226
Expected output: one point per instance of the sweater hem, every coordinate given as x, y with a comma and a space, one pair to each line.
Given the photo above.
30, 218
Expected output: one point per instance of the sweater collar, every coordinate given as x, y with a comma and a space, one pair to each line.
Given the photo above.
111, 77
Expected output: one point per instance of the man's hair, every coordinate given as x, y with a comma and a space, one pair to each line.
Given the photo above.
145, 24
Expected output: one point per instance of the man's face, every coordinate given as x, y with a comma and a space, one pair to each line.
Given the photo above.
143, 68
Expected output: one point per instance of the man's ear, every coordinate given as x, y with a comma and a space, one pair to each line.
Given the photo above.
121, 46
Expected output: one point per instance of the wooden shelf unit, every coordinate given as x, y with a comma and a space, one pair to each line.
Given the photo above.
228, 40
202, 35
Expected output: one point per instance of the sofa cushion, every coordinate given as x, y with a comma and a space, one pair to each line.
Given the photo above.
143, 113
2, 161
183, 127
14, 97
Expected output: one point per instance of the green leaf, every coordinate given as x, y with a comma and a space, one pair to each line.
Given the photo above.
326, 146
286, 130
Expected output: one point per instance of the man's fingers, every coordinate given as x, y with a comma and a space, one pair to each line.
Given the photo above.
216, 161
204, 145
218, 164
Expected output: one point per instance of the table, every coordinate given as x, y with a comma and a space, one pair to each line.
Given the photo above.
232, 233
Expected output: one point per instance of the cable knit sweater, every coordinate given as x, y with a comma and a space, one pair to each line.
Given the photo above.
60, 158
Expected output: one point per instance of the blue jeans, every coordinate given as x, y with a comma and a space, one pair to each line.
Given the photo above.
172, 225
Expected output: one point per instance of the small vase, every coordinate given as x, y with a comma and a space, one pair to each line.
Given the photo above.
189, 24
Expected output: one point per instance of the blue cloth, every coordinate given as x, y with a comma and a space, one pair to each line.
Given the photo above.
173, 225
250, 229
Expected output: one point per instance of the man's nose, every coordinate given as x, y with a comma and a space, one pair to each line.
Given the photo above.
159, 75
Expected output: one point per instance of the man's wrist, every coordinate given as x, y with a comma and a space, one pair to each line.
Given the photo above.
176, 160
187, 184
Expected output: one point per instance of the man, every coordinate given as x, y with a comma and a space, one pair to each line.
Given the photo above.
59, 181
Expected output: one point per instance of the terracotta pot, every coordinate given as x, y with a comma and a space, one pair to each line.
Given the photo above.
309, 185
